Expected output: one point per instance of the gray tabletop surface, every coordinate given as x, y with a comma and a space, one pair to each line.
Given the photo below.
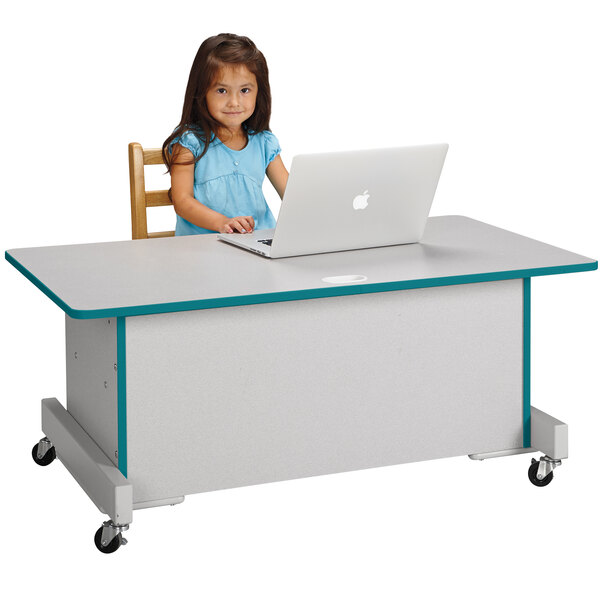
178, 273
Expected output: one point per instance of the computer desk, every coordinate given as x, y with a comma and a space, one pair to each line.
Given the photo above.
195, 366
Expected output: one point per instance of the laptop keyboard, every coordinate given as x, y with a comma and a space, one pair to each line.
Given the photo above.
266, 242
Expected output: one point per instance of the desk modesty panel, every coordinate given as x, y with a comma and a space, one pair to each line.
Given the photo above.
245, 395
129, 278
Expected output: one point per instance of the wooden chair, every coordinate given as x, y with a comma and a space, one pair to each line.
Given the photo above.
140, 198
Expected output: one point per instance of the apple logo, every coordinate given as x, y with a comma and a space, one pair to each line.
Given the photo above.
360, 201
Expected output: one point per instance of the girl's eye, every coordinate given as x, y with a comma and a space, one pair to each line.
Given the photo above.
221, 91
245, 90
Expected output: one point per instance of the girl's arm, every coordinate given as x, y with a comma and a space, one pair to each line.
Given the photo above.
186, 206
278, 175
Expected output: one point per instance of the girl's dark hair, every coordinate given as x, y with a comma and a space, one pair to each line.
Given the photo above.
214, 53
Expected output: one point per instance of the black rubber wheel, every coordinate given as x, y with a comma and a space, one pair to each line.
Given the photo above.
47, 458
114, 545
533, 475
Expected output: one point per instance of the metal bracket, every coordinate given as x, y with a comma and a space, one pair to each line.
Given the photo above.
110, 531
546, 466
499, 453
43, 446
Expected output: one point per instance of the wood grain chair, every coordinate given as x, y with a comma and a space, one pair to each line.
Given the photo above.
140, 198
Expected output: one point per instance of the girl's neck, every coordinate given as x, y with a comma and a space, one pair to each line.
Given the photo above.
236, 140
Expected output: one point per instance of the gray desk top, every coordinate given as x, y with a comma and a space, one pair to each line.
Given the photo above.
192, 272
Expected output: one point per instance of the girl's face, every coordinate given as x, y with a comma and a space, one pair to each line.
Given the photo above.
231, 98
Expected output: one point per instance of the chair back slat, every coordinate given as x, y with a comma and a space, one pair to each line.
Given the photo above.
153, 156
158, 198
159, 234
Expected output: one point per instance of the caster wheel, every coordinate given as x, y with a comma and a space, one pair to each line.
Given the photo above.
114, 545
46, 459
533, 475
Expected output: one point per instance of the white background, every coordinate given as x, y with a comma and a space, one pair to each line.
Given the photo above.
512, 86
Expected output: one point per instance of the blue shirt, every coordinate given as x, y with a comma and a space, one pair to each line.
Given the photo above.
230, 181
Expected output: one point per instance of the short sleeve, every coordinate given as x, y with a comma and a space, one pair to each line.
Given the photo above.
272, 148
189, 141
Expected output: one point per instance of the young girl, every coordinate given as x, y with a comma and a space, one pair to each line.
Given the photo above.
222, 147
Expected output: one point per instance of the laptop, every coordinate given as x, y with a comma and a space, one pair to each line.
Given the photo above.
351, 200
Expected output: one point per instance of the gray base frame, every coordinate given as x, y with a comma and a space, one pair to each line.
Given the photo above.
548, 436
113, 494
92, 469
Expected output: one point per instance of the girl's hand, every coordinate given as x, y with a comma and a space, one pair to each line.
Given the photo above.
237, 225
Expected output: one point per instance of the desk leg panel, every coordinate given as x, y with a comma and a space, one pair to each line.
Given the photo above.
92, 378
236, 396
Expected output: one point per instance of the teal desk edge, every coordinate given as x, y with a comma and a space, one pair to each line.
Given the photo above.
346, 290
